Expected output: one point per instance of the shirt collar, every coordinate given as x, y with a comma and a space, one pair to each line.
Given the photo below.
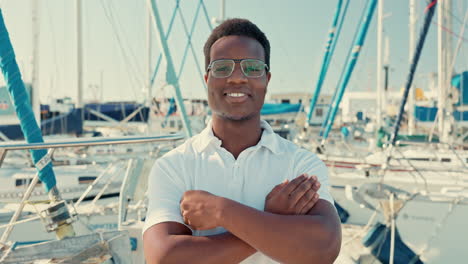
269, 139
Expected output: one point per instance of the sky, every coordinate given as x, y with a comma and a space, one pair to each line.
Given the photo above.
115, 47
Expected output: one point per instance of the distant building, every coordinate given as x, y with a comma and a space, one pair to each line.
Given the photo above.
320, 111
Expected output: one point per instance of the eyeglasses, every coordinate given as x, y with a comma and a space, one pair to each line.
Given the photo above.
251, 68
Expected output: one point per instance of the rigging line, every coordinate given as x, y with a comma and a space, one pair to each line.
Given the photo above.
122, 50
166, 36
451, 14
449, 31
125, 39
116, 35
130, 73
54, 42
169, 31
126, 57
210, 26
457, 49
292, 62
119, 30
189, 44
128, 47
418, 173
458, 19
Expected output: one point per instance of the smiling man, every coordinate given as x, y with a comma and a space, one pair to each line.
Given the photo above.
237, 192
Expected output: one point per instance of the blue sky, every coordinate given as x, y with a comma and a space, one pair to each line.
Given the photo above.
297, 31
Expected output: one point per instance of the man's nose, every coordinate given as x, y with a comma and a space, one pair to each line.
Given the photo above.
237, 75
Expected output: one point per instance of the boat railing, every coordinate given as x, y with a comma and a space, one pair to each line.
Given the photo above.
86, 142
52, 146
433, 150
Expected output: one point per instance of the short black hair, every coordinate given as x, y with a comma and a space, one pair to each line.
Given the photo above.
237, 27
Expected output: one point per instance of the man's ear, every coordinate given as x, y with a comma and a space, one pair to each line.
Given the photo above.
268, 76
206, 77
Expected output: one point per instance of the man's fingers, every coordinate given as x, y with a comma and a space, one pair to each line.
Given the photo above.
304, 199
303, 188
316, 185
292, 185
310, 204
276, 189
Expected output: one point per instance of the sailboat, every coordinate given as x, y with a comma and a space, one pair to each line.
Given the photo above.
402, 204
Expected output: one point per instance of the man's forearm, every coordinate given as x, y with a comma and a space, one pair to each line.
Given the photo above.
222, 248
285, 238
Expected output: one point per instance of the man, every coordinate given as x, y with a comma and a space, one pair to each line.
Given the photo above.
237, 192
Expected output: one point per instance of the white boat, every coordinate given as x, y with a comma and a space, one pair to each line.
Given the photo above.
99, 217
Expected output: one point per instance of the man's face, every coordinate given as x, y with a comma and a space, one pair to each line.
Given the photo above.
236, 97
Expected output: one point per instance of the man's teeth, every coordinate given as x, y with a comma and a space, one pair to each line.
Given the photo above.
236, 94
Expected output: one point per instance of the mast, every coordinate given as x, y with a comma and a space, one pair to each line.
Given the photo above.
380, 87
36, 105
440, 70
222, 13
149, 94
386, 68
412, 39
449, 122
444, 45
329, 48
363, 28
223, 10
430, 10
148, 59
79, 59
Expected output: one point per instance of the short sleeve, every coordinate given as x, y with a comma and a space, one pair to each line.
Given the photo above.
165, 189
308, 162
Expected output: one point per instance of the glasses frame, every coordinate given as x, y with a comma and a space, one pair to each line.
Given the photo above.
237, 61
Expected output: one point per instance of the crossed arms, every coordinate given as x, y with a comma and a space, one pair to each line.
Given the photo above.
296, 227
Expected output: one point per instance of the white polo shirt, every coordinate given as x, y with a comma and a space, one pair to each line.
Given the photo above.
202, 164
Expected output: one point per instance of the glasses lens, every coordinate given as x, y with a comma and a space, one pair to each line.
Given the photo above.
222, 68
253, 68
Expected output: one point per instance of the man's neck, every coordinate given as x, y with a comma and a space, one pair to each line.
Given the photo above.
236, 136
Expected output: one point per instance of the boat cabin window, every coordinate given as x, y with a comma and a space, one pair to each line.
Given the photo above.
420, 159
24, 182
446, 160
319, 112
86, 179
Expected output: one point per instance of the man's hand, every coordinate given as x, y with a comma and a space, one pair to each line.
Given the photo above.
296, 197
200, 209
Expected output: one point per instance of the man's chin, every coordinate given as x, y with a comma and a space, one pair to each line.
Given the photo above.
237, 118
